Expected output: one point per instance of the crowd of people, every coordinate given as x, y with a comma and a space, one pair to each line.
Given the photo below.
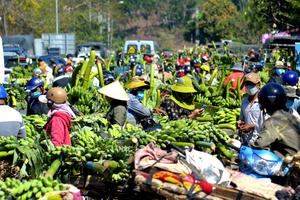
269, 116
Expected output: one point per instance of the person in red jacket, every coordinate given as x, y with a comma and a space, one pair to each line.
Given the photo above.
60, 115
238, 72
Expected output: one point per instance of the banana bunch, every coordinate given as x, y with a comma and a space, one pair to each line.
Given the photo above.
135, 136
228, 103
201, 99
36, 188
7, 186
87, 100
226, 115
86, 138
34, 125
192, 131
95, 121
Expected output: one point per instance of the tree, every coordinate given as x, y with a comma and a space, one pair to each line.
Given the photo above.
217, 19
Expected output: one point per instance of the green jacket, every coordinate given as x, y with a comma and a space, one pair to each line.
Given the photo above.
281, 133
117, 115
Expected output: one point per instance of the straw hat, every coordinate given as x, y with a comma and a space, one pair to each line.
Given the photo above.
279, 64
252, 77
183, 85
137, 82
114, 90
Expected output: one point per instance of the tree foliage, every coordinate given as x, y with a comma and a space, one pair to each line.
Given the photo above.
205, 20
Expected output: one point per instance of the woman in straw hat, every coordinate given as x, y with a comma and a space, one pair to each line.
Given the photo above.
180, 103
117, 97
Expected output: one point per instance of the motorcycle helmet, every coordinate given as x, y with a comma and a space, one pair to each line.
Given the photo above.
108, 78
37, 72
59, 70
187, 69
180, 62
34, 83
132, 61
147, 59
139, 70
168, 68
69, 69
290, 78
57, 95
272, 97
3, 94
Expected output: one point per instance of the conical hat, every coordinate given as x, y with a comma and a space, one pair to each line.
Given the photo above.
114, 91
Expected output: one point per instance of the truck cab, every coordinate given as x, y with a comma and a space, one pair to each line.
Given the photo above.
14, 55
132, 47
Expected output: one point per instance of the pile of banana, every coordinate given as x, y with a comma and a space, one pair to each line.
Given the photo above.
34, 125
226, 102
227, 116
87, 101
36, 188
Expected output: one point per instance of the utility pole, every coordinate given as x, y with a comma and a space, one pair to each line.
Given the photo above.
56, 15
4, 19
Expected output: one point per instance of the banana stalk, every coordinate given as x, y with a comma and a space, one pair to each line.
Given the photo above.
213, 75
158, 99
134, 71
81, 73
100, 74
53, 168
87, 72
151, 80
228, 86
75, 74
238, 89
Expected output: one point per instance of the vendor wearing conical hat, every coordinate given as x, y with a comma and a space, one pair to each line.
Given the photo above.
136, 110
117, 97
180, 104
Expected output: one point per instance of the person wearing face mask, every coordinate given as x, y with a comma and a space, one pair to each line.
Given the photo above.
293, 100
136, 110
59, 117
251, 117
276, 77
180, 104
35, 87
280, 132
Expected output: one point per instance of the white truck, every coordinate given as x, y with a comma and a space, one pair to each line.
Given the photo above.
132, 47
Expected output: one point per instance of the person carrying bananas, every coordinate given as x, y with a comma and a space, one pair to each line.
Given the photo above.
11, 121
117, 97
60, 114
180, 103
35, 88
251, 117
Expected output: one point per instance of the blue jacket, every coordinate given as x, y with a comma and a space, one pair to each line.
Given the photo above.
136, 111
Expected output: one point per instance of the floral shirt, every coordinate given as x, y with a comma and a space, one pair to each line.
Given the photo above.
173, 110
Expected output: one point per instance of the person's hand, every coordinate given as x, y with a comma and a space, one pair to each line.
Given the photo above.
239, 124
247, 127
196, 113
159, 111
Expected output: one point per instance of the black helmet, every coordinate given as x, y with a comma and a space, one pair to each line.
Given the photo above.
272, 97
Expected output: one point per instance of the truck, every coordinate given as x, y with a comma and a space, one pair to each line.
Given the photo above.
133, 47
17, 50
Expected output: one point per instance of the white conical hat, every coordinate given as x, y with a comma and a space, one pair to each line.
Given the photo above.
114, 90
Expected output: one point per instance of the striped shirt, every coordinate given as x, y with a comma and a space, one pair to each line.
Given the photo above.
11, 122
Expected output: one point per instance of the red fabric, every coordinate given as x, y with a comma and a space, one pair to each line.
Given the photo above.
59, 129
234, 77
